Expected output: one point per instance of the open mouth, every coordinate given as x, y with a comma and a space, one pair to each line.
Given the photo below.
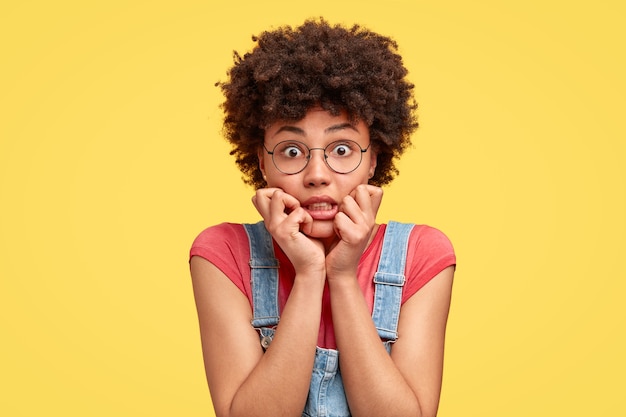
322, 211
319, 207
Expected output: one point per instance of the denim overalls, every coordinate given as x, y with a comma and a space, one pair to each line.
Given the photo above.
326, 395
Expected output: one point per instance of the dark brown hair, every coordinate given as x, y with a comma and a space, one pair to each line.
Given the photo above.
289, 71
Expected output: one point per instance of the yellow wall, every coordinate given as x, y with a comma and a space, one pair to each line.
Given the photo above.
111, 162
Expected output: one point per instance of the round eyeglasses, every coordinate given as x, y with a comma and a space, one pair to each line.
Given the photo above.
342, 156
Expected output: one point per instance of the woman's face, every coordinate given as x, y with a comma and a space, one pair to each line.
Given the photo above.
317, 187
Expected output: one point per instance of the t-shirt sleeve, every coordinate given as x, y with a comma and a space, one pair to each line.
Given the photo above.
429, 252
226, 246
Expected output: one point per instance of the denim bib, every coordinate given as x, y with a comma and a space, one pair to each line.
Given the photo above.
326, 394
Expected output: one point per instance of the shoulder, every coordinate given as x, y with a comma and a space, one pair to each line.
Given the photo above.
429, 251
225, 246
222, 230
429, 239
423, 237
220, 239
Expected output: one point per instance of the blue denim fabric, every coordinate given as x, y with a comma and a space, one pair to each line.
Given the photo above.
389, 280
264, 276
327, 397
326, 394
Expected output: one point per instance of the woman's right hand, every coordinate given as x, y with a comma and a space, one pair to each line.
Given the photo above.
288, 222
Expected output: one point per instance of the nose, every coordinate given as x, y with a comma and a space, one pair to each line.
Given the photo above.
317, 171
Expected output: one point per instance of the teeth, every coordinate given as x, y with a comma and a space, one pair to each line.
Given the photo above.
320, 206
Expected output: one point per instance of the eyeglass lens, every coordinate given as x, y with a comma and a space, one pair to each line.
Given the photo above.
291, 157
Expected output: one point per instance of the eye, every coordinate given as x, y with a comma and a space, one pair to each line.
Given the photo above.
292, 151
342, 149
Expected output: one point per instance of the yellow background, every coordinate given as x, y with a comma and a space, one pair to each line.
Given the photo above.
111, 162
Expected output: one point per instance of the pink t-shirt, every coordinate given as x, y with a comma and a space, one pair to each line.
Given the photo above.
226, 246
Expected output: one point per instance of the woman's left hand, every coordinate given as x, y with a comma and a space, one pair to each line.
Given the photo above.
354, 225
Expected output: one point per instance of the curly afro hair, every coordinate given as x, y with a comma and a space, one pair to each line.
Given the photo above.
289, 71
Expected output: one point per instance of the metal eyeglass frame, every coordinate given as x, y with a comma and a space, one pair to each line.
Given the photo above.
308, 156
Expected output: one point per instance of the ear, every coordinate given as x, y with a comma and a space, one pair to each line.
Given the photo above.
373, 162
261, 159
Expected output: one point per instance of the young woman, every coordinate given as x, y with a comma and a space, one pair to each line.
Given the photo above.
317, 310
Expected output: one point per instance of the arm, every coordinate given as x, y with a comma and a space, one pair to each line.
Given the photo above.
242, 380
409, 381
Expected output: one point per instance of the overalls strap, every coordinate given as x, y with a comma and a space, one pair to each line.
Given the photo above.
264, 276
389, 280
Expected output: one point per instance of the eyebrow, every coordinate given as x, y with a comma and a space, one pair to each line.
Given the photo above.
331, 129
340, 126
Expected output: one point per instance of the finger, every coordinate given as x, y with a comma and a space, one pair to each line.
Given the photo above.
350, 207
344, 226
369, 197
281, 202
304, 219
261, 200
358, 211
362, 203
